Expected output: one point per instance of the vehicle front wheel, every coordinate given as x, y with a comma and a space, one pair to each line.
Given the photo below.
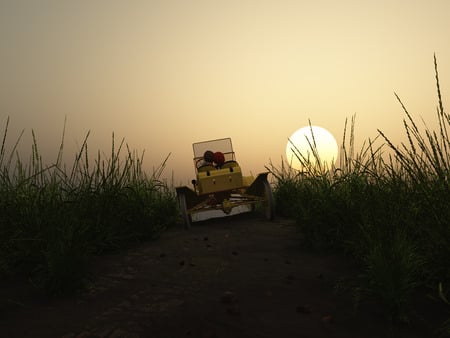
269, 208
183, 210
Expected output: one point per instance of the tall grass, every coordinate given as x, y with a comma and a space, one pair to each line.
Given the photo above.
53, 219
385, 205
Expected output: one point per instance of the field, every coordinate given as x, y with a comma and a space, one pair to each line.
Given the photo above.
384, 206
55, 219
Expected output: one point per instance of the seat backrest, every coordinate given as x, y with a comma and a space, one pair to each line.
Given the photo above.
206, 167
229, 164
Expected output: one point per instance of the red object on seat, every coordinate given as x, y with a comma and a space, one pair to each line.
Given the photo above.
219, 158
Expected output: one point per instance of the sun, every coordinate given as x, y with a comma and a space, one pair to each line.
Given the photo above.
304, 140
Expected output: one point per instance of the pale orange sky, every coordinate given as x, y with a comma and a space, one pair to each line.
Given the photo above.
165, 74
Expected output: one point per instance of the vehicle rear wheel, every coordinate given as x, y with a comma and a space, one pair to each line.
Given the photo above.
183, 210
269, 208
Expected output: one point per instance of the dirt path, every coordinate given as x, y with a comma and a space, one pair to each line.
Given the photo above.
239, 276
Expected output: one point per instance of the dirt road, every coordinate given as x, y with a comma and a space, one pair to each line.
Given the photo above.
239, 276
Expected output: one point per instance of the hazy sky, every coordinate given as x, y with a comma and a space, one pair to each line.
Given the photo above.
165, 74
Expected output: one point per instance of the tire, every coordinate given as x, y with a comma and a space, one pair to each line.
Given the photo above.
183, 210
268, 204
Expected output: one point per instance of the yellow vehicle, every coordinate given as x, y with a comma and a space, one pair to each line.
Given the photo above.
220, 185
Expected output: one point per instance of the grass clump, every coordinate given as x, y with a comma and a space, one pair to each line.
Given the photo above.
385, 205
54, 219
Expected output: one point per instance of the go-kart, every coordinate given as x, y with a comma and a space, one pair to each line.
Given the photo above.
220, 185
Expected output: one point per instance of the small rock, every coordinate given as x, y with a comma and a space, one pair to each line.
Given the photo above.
69, 335
234, 310
205, 238
287, 261
327, 320
228, 297
125, 304
209, 334
182, 263
122, 334
101, 332
304, 309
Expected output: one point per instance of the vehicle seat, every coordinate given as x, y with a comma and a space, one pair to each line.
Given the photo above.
206, 167
230, 164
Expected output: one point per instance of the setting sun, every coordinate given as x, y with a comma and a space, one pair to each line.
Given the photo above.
302, 144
